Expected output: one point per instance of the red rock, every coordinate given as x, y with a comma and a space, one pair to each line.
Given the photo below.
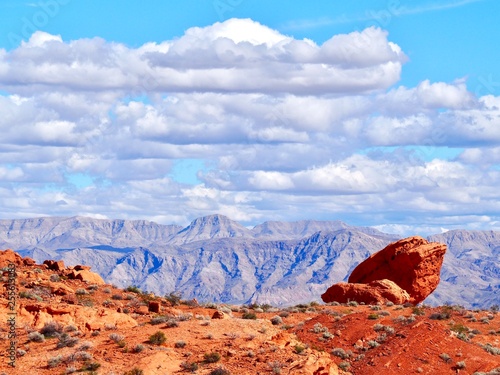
10, 257
55, 265
379, 291
79, 267
28, 262
154, 306
218, 315
412, 263
87, 276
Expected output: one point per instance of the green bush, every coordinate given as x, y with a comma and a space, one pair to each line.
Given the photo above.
211, 357
157, 338
249, 315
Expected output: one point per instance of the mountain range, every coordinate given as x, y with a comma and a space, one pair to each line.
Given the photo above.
217, 259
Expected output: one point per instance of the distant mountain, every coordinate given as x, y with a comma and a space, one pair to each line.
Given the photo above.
217, 259
471, 272
211, 227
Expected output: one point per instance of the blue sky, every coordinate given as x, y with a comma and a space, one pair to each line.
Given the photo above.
381, 113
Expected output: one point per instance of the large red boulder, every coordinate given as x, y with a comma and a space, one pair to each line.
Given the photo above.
375, 292
413, 263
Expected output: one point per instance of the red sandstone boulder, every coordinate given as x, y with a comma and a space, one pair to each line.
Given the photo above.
412, 263
55, 265
10, 257
375, 292
218, 315
154, 306
87, 276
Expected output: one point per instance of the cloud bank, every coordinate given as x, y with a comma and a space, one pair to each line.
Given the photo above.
286, 129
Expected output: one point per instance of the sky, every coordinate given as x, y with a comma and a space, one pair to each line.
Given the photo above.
376, 113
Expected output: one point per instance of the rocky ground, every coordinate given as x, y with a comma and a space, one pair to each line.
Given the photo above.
68, 321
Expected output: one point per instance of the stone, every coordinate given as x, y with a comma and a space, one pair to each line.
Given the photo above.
79, 267
413, 263
378, 291
218, 315
154, 306
86, 276
55, 265
10, 257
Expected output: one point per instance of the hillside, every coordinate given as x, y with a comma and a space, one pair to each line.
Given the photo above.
217, 259
66, 325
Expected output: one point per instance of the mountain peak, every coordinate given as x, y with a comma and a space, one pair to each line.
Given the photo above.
211, 226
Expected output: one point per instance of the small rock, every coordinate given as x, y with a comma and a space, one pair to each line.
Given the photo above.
218, 315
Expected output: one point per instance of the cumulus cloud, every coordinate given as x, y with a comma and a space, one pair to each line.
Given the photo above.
236, 55
288, 129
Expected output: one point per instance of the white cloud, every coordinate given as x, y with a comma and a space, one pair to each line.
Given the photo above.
287, 130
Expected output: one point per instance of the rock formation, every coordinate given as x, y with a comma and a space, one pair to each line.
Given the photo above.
371, 293
413, 264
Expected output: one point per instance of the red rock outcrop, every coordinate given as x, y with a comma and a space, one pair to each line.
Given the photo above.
375, 292
55, 265
10, 257
87, 276
404, 271
412, 263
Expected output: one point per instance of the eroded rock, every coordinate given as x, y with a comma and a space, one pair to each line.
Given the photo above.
375, 292
413, 263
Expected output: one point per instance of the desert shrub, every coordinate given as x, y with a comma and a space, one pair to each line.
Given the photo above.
138, 348
318, 328
157, 338
107, 290
389, 303
171, 323
491, 349
352, 303
54, 278
93, 287
36, 337
81, 292
70, 370
378, 327
460, 365
189, 366
54, 361
276, 320
344, 365
373, 316
159, 319
134, 371
66, 340
341, 353
116, 337
220, 371
180, 344
299, 348
70, 328
133, 289
91, 366
51, 329
174, 298
212, 357
185, 317
375, 308
249, 315
86, 345
117, 297
275, 366
373, 344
